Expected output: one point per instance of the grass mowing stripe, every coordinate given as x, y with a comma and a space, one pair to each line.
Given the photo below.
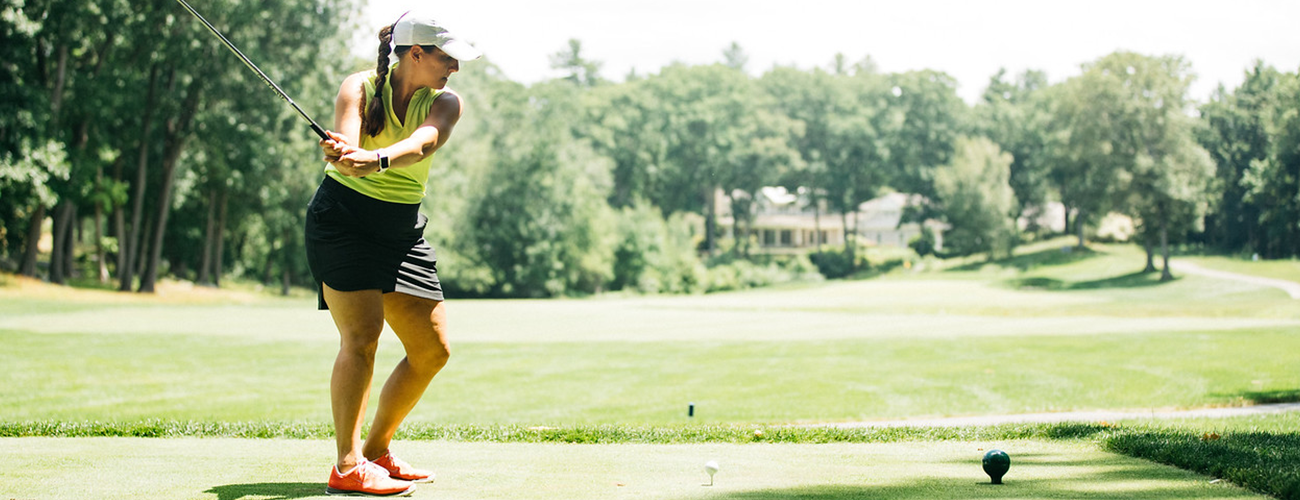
105, 377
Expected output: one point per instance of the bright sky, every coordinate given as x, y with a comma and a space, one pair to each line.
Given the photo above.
969, 40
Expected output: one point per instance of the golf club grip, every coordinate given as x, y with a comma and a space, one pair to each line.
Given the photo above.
319, 131
266, 79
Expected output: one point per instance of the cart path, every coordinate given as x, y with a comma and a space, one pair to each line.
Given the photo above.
1074, 416
1290, 287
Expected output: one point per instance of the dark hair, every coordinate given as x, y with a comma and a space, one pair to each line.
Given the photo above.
372, 117
372, 114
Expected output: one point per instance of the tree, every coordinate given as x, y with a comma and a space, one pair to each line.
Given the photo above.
1273, 182
538, 220
926, 119
706, 113
1235, 134
1014, 115
974, 195
627, 124
580, 70
1080, 143
1162, 175
844, 147
735, 57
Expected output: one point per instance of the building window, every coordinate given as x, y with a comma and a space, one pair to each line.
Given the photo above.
787, 238
769, 238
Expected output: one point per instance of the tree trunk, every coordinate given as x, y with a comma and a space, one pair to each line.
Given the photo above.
1078, 227
710, 219
268, 268
205, 262
1066, 209
286, 252
817, 222
60, 78
174, 144
131, 247
220, 240
70, 253
853, 247
101, 254
61, 233
119, 232
1151, 253
144, 247
1165, 275
33, 248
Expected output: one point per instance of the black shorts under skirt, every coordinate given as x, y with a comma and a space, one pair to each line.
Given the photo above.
355, 242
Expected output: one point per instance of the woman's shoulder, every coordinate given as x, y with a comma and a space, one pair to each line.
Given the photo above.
359, 78
448, 98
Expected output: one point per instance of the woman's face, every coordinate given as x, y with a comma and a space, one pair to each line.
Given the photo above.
434, 66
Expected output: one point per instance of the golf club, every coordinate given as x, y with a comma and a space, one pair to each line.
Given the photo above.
316, 128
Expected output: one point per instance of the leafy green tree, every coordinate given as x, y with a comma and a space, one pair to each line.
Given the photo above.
654, 255
1240, 131
580, 70
1274, 182
538, 220
1014, 114
1084, 168
974, 195
844, 147
628, 124
707, 111
735, 57
926, 118
1163, 177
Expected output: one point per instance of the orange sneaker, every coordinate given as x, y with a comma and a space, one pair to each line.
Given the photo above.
367, 478
399, 469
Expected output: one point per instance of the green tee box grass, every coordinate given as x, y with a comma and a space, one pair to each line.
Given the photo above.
235, 469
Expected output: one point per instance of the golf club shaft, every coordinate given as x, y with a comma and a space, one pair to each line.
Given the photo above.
316, 128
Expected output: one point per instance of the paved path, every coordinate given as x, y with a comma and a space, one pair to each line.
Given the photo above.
1290, 287
1076, 416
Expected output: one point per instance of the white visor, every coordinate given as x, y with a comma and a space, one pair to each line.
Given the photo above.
415, 28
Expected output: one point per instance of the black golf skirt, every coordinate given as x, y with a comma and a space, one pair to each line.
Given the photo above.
355, 242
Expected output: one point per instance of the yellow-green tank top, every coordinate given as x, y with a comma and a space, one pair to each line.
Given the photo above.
396, 185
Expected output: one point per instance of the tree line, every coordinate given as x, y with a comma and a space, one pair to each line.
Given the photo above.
142, 150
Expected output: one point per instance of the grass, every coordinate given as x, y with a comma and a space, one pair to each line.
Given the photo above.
1277, 269
1047, 330
234, 378
285, 469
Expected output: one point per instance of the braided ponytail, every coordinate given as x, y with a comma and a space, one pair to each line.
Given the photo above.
372, 117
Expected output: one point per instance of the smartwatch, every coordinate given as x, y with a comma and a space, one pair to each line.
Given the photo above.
383, 160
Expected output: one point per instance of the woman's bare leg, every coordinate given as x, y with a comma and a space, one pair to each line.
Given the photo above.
421, 325
360, 319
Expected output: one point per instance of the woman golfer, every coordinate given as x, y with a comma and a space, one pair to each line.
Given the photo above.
366, 248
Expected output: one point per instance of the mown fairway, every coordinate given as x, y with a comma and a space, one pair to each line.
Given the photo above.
1085, 332
1047, 331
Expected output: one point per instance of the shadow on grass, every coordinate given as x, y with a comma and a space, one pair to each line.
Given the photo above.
1267, 463
1029, 261
1131, 280
268, 491
958, 489
1272, 397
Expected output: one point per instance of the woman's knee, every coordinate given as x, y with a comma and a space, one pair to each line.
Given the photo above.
363, 345
430, 359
